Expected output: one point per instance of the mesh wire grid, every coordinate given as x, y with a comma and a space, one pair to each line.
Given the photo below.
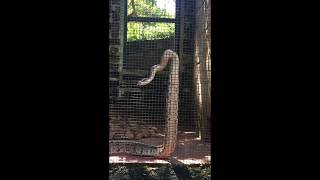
140, 32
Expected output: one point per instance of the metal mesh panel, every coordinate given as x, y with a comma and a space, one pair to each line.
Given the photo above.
170, 114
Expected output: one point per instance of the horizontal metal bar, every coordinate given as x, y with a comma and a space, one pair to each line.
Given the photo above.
113, 79
151, 19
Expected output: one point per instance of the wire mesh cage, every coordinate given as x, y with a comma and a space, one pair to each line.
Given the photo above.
159, 80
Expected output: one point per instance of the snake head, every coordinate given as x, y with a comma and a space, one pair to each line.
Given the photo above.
142, 82
146, 81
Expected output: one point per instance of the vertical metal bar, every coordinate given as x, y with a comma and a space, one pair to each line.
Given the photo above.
123, 39
181, 19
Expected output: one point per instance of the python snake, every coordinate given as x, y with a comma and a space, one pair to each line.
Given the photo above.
169, 143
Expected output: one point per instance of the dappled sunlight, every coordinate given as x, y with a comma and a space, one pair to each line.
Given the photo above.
135, 159
190, 150
194, 161
128, 159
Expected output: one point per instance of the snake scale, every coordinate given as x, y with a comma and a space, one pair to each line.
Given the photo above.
169, 143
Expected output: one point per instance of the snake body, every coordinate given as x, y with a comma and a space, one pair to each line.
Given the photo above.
169, 143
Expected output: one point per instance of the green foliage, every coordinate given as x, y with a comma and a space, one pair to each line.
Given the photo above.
119, 173
141, 171
158, 172
147, 8
148, 30
200, 172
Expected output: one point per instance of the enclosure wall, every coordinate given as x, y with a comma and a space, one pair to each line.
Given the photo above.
203, 65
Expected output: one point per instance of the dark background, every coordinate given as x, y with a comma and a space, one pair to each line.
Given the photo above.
55, 92
54, 69
265, 94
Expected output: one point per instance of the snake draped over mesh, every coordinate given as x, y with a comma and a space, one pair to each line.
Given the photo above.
170, 139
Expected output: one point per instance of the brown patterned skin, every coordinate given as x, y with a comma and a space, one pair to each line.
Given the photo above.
170, 139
